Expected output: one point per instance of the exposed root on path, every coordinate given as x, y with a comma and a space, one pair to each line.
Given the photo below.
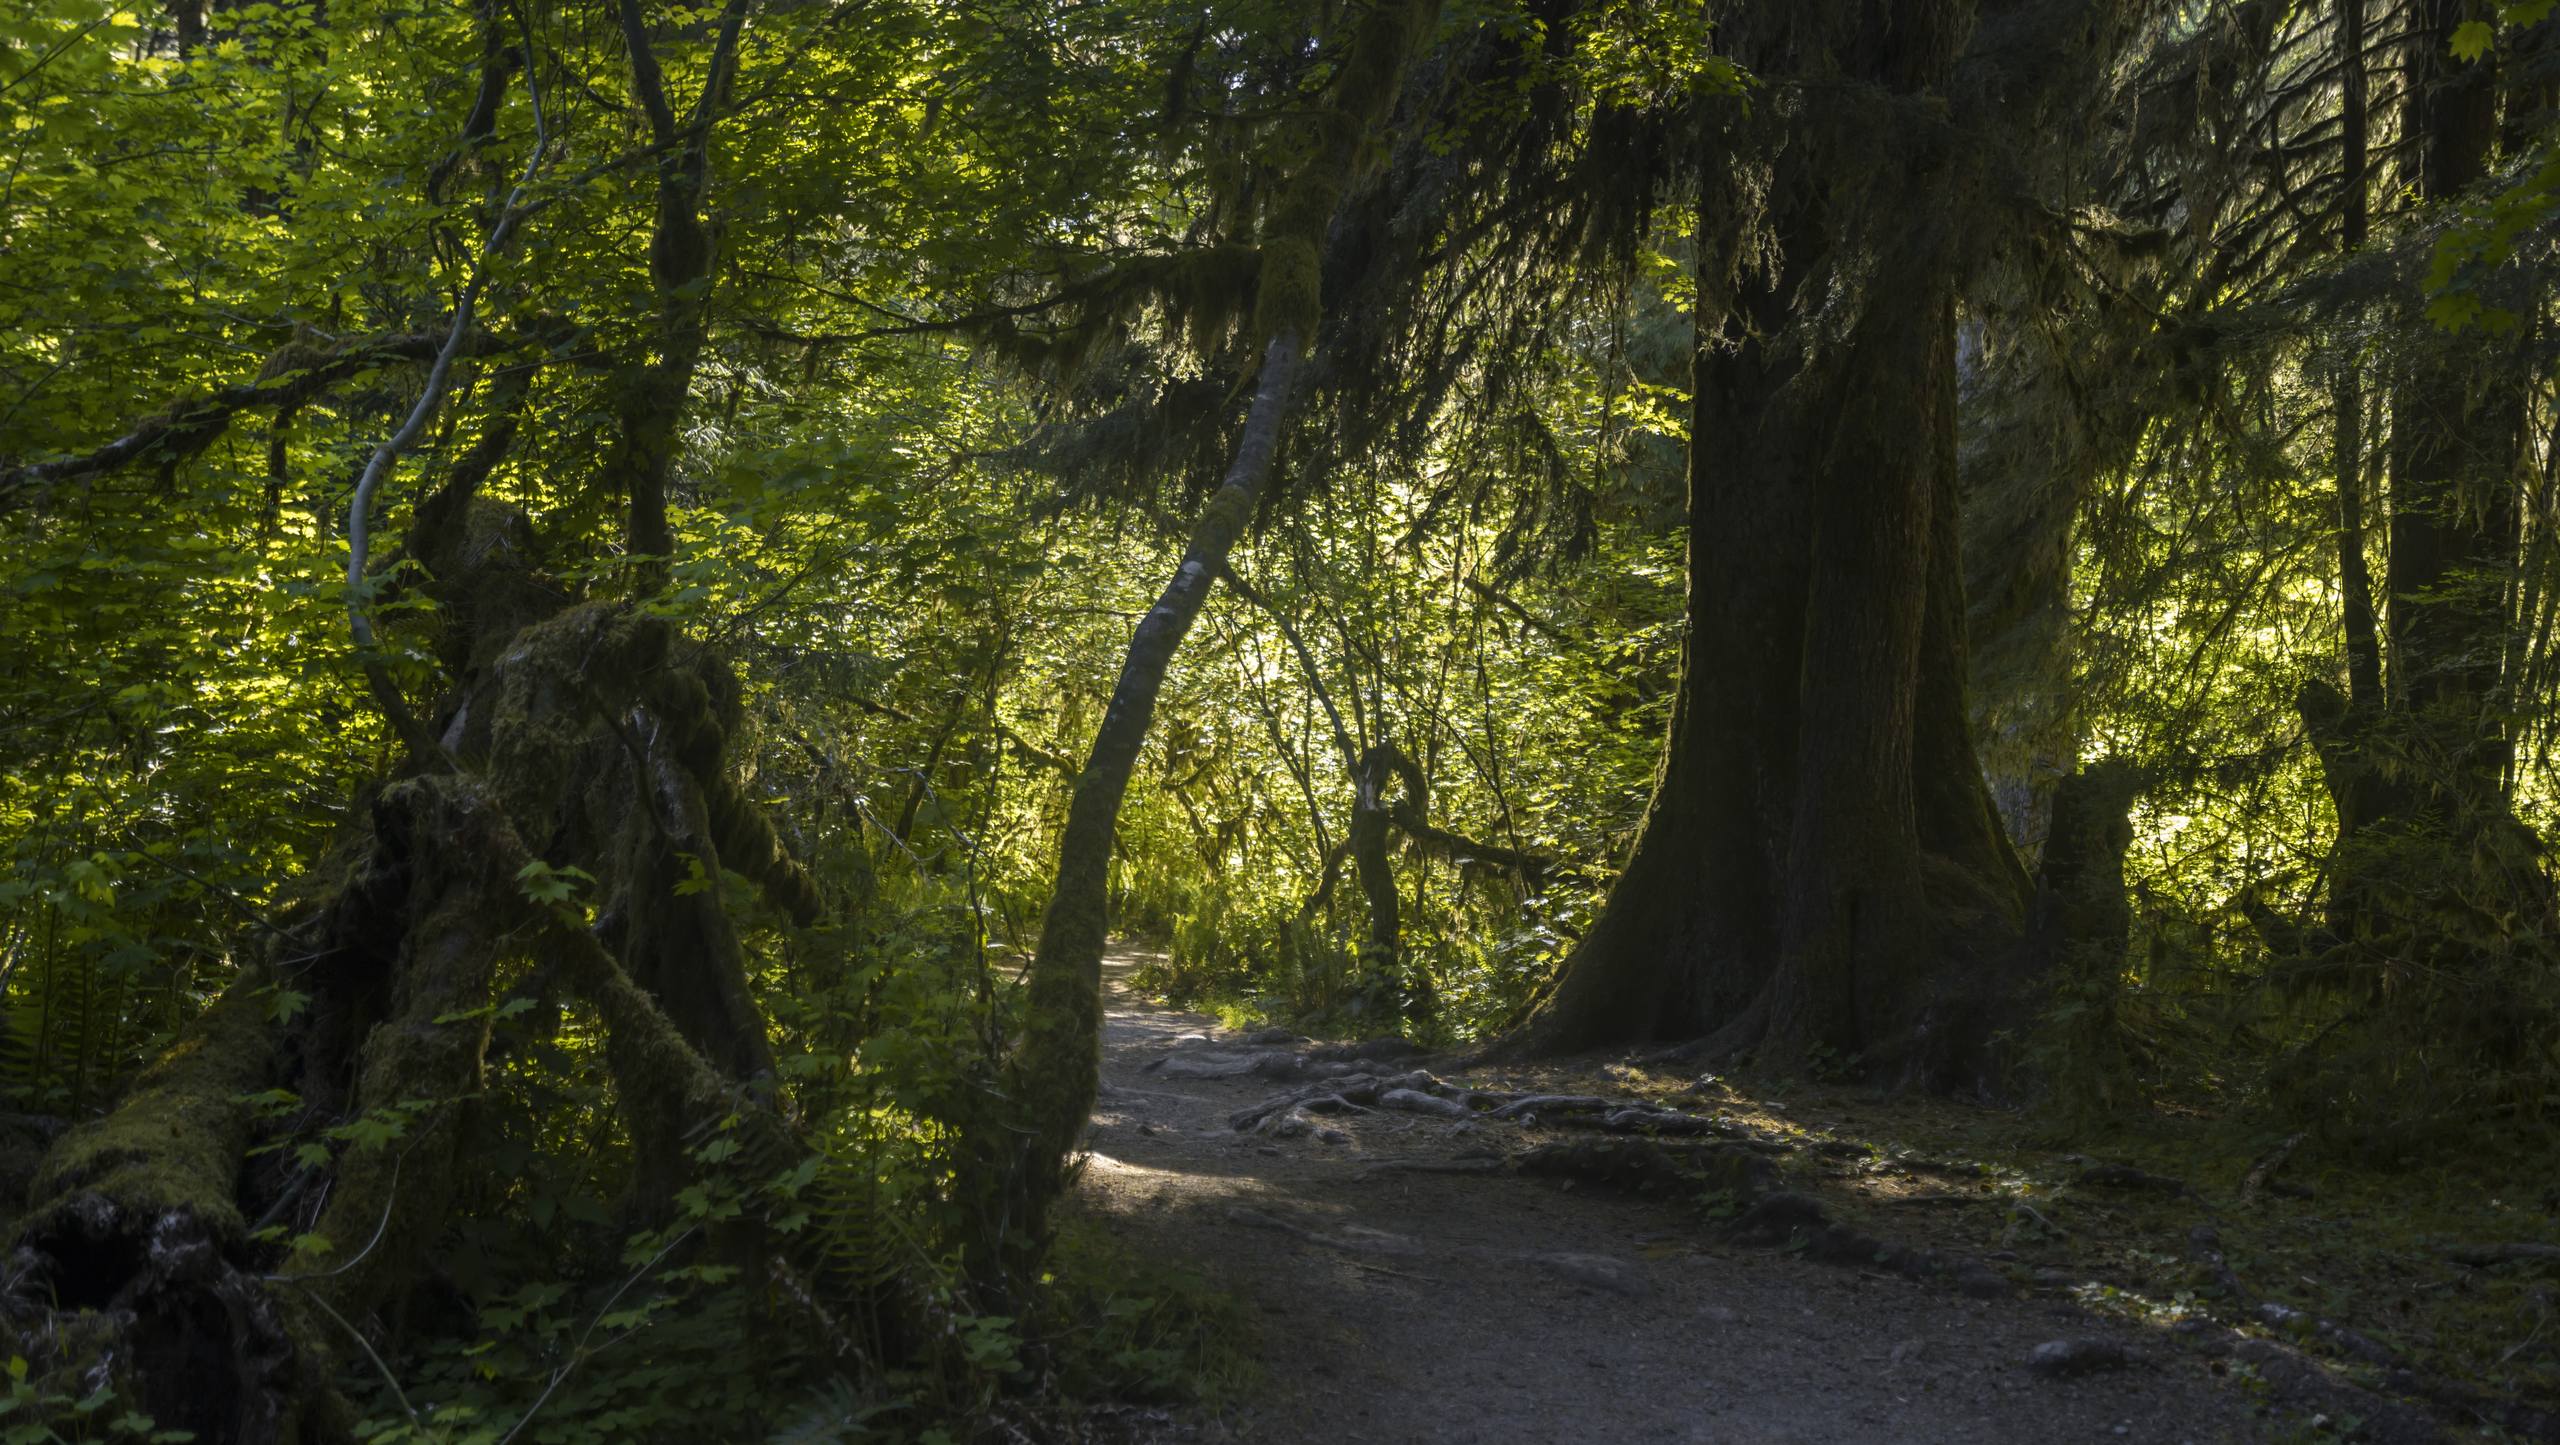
1753, 1184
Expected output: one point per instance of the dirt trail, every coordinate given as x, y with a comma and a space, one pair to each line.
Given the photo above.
1457, 1321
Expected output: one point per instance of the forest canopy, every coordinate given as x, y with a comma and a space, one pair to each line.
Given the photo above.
607, 605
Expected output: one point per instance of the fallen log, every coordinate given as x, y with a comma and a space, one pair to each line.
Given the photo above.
2262, 1173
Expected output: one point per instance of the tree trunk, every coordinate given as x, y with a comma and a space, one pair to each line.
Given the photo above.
2078, 927
1382, 947
2453, 506
2355, 581
650, 400
2440, 909
2454, 530
1057, 1066
1821, 874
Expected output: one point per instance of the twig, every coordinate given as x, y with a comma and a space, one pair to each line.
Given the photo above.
382, 1226
367, 1346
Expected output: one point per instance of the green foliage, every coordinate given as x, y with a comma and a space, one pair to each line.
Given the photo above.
1119, 1325
31, 1414
986, 280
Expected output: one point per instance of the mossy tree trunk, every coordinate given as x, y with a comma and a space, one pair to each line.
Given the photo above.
1821, 875
141, 1221
1370, 836
683, 252
573, 735
2080, 924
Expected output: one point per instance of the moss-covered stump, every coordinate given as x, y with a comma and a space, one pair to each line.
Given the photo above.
587, 737
131, 1265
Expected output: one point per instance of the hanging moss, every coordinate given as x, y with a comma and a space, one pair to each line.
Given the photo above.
1207, 290
1361, 99
1372, 75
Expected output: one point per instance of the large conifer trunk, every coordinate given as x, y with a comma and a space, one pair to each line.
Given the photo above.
1821, 873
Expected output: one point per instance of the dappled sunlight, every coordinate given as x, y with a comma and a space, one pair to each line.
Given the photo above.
1581, 720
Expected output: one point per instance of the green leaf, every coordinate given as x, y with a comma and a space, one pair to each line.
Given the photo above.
543, 883
2471, 39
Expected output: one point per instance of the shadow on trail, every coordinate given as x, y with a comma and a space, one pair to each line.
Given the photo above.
1400, 1303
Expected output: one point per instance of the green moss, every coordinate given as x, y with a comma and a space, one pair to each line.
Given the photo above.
1222, 520
389, 1201
1291, 298
545, 718
177, 1140
748, 845
1209, 292
1373, 73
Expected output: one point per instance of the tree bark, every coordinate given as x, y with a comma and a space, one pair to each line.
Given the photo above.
2453, 508
1821, 863
2355, 580
683, 252
2439, 906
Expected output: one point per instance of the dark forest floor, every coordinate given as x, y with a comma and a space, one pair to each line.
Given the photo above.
1391, 1305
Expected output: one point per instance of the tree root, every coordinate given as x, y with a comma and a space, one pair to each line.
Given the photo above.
2125, 1176
1591, 1270
1437, 1166
1338, 1094
1543, 1104
1421, 1093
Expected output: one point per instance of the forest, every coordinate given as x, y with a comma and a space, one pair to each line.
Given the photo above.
1006, 720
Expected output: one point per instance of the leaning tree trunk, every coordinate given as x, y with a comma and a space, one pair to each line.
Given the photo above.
1821, 875
1056, 1068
